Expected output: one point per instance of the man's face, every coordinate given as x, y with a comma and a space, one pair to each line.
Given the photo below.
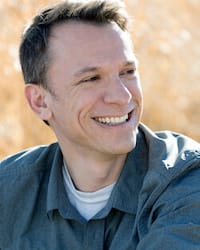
97, 100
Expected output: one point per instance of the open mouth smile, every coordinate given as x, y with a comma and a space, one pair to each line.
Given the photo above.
115, 120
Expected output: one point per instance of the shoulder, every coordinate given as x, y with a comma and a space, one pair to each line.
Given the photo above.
170, 149
28, 160
171, 182
172, 158
169, 139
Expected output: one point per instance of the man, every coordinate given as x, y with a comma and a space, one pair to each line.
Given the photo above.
109, 182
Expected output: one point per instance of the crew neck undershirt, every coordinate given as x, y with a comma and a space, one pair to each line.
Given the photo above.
87, 203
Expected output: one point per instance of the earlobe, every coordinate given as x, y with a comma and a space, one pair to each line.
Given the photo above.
37, 101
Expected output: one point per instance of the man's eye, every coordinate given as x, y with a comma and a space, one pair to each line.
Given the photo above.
91, 79
128, 72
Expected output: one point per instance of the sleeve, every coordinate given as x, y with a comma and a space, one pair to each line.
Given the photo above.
173, 222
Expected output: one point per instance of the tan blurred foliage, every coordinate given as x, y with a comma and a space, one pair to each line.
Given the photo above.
166, 35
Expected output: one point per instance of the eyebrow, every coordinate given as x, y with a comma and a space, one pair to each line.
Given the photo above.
86, 70
95, 69
131, 63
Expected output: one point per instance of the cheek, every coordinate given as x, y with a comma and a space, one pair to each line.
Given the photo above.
87, 97
139, 90
136, 89
78, 104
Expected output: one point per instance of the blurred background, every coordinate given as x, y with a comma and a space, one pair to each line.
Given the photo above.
166, 35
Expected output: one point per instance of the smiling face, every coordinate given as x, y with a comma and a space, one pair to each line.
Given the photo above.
96, 103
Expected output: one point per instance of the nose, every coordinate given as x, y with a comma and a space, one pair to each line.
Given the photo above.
117, 92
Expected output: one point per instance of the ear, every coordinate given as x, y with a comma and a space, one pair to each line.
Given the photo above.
37, 100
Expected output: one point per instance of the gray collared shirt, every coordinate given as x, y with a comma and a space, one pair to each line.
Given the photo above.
151, 206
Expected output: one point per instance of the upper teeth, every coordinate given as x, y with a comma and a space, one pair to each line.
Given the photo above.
112, 120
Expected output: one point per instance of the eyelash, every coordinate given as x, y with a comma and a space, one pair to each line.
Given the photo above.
128, 72
91, 79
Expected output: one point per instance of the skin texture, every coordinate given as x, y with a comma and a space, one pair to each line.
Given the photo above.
92, 77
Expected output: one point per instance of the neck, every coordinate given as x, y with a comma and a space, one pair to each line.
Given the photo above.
90, 174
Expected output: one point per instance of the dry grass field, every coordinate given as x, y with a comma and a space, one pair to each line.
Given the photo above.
166, 35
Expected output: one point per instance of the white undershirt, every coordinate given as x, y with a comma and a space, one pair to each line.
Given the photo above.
87, 203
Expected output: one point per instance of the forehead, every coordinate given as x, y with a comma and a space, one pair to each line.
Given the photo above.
71, 30
79, 42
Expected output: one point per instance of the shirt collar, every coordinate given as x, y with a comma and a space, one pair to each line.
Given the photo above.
124, 196
57, 198
126, 191
54, 185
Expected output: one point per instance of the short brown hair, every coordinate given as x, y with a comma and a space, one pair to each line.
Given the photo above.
33, 48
